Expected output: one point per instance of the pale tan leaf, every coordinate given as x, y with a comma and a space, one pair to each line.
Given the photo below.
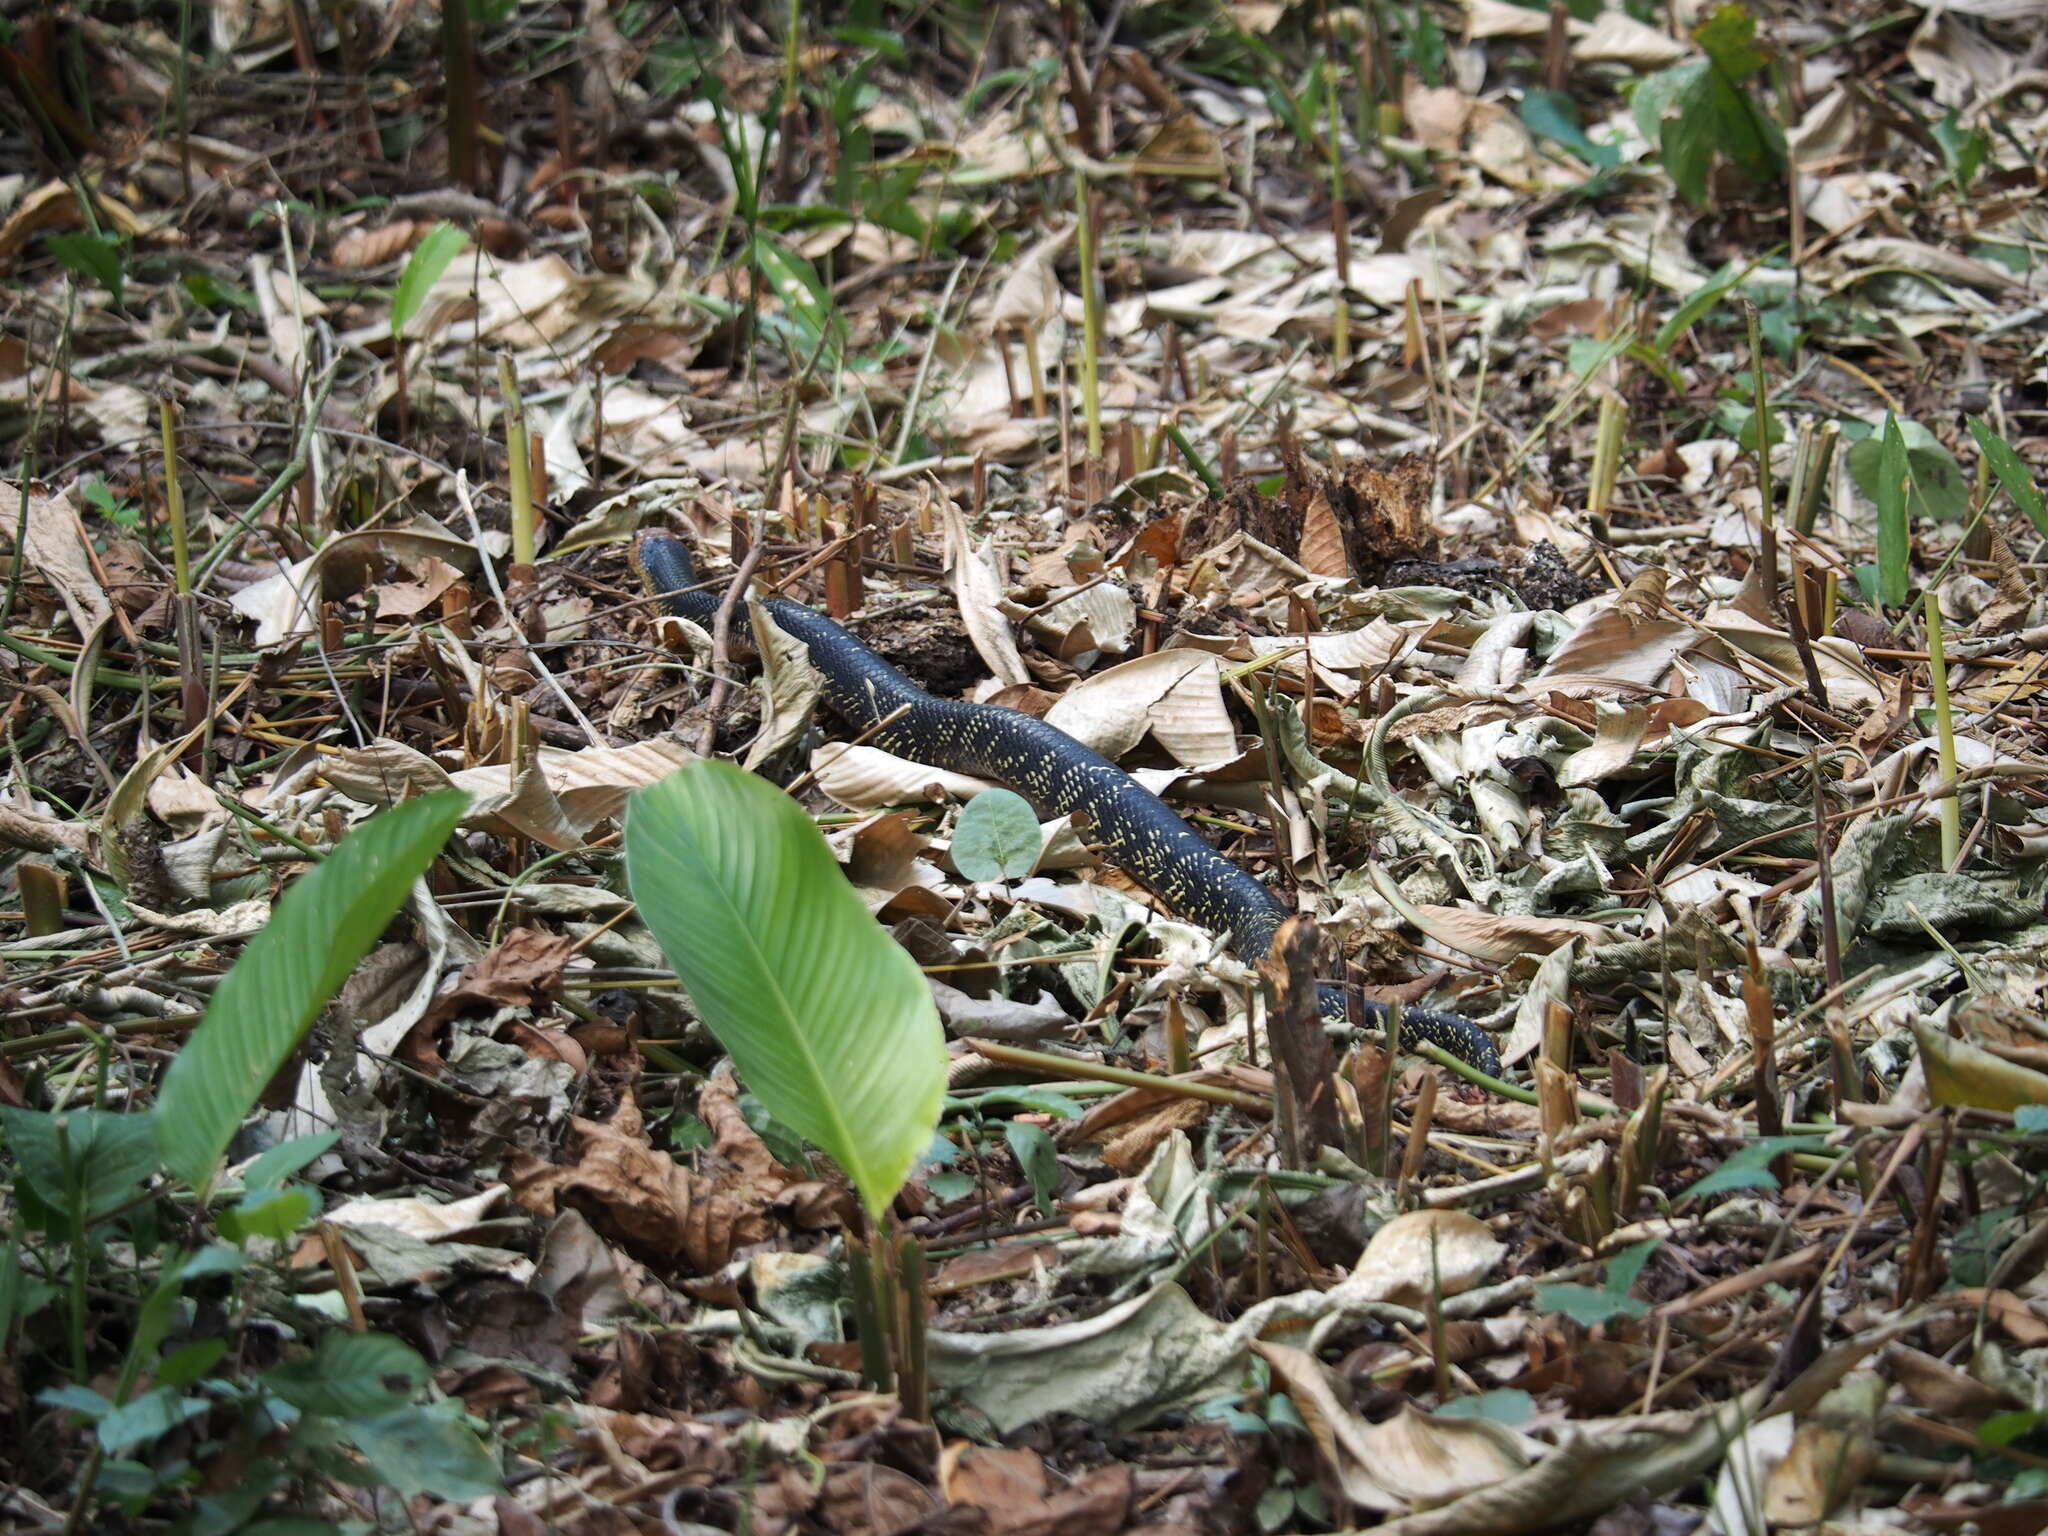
56, 547
1501, 936
1174, 696
1620, 735
866, 778
1422, 1254
979, 593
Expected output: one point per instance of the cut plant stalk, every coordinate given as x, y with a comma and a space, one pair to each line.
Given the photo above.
184, 605
1760, 424
1949, 808
519, 467
1606, 454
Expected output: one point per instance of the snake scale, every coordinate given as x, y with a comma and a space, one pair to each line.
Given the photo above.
1052, 770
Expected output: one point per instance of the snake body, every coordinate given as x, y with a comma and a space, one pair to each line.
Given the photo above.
1052, 770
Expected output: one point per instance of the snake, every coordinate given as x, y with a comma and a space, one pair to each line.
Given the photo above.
1059, 776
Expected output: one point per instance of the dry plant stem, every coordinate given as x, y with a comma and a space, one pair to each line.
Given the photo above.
721, 634
1418, 1140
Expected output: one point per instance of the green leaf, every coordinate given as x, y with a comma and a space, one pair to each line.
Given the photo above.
322, 925
825, 1016
1696, 305
1554, 115
996, 837
94, 257
149, 1416
102, 1155
1894, 540
428, 1450
1037, 1158
1586, 1306
182, 1367
287, 1158
351, 1376
1728, 38
1624, 1268
2014, 478
273, 1213
1503, 1405
1962, 149
1748, 1166
423, 268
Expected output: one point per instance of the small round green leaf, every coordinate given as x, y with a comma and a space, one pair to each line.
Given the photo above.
996, 837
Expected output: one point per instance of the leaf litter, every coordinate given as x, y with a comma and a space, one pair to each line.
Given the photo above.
1529, 587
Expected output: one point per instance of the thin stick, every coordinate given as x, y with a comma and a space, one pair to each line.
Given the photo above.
721, 633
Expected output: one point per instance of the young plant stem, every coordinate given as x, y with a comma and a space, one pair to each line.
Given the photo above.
184, 604
518, 465
1760, 423
913, 1381
1949, 808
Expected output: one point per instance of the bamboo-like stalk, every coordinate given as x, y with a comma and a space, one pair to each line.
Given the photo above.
519, 465
1949, 808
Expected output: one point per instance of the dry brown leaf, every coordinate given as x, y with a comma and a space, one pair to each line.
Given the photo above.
642, 1198
523, 971
1322, 538
373, 247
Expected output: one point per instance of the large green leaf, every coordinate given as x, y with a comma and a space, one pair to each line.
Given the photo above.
828, 1019
263, 1007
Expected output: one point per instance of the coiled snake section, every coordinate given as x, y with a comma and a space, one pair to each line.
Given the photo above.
1056, 773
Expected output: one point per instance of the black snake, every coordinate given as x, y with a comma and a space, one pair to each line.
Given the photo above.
1056, 773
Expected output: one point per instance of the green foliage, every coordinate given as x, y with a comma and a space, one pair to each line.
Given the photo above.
1589, 1307
1704, 110
1553, 115
2013, 476
996, 837
91, 256
1908, 473
117, 510
826, 1018
1748, 1166
323, 924
1963, 151
1503, 1405
1037, 1158
82, 1162
423, 268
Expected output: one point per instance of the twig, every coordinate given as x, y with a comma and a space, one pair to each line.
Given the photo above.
490, 571
721, 633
